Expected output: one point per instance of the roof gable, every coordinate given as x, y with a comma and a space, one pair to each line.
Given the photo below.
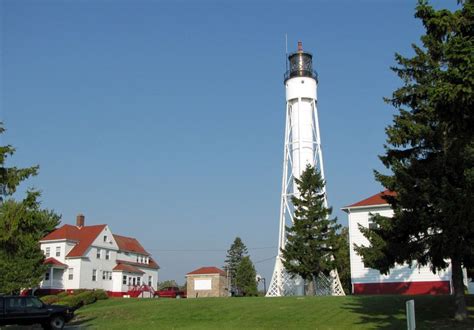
377, 199
84, 236
207, 271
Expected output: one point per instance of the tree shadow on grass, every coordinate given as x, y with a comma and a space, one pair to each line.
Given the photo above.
388, 312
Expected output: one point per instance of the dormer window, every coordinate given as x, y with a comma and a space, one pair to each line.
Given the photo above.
47, 252
58, 251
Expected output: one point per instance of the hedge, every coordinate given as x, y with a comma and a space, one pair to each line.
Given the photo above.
51, 299
100, 294
83, 298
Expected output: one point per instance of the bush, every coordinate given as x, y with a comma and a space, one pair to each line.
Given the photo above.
100, 294
72, 301
87, 297
83, 298
62, 294
50, 299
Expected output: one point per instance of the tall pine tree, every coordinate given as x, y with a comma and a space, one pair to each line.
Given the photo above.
430, 152
312, 240
235, 254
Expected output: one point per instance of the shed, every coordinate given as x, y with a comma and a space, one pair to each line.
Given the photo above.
207, 282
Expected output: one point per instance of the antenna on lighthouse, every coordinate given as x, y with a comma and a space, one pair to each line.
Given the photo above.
302, 147
286, 51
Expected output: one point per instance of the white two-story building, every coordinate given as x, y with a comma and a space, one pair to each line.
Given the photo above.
92, 257
402, 279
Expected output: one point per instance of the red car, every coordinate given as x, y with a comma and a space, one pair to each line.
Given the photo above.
170, 292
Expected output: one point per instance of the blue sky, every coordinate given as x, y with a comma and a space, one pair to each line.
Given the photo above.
165, 119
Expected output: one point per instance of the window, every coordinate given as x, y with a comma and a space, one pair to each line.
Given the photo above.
107, 255
33, 302
58, 251
70, 273
150, 279
47, 252
124, 279
134, 281
105, 238
129, 280
104, 275
138, 281
94, 275
110, 275
372, 224
99, 252
15, 304
46, 276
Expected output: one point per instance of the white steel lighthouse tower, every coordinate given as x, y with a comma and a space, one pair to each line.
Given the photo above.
302, 147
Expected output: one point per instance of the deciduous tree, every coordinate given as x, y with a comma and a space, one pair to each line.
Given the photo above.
246, 278
22, 224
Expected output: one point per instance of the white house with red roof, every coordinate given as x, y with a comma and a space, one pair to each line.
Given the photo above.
92, 257
402, 279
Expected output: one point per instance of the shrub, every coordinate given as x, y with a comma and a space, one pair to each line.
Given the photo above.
100, 294
50, 299
72, 301
83, 298
87, 297
62, 294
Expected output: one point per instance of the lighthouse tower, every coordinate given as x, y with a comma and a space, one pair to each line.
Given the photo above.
302, 147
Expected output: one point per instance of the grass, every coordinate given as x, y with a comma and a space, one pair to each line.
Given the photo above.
351, 312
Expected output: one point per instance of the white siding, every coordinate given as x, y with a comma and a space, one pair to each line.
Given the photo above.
83, 267
401, 273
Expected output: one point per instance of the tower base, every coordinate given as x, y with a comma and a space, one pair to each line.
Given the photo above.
282, 284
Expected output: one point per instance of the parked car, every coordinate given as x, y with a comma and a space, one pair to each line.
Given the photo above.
170, 292
30, 310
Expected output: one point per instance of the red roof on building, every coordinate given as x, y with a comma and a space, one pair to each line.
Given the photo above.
54, 262
376, 199
127, 268
207, 270
84, 236
129, 244
152, 264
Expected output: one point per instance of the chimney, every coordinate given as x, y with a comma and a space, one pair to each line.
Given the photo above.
80, 220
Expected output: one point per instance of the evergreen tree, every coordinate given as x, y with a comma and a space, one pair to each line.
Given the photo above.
237, 251
312, 241
246, 277
22, 225
430, 152
342, 259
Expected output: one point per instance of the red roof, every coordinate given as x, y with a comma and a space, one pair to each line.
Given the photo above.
84, 236
207, 270
127, 268
129, 244
376, 199
54, 262
152, 264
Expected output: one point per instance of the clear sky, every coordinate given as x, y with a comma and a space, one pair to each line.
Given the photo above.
165, 119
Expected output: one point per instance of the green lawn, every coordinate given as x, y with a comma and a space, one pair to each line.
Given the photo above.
351, 312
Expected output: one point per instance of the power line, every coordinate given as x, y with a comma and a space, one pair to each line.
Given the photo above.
208, 250
263, 260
